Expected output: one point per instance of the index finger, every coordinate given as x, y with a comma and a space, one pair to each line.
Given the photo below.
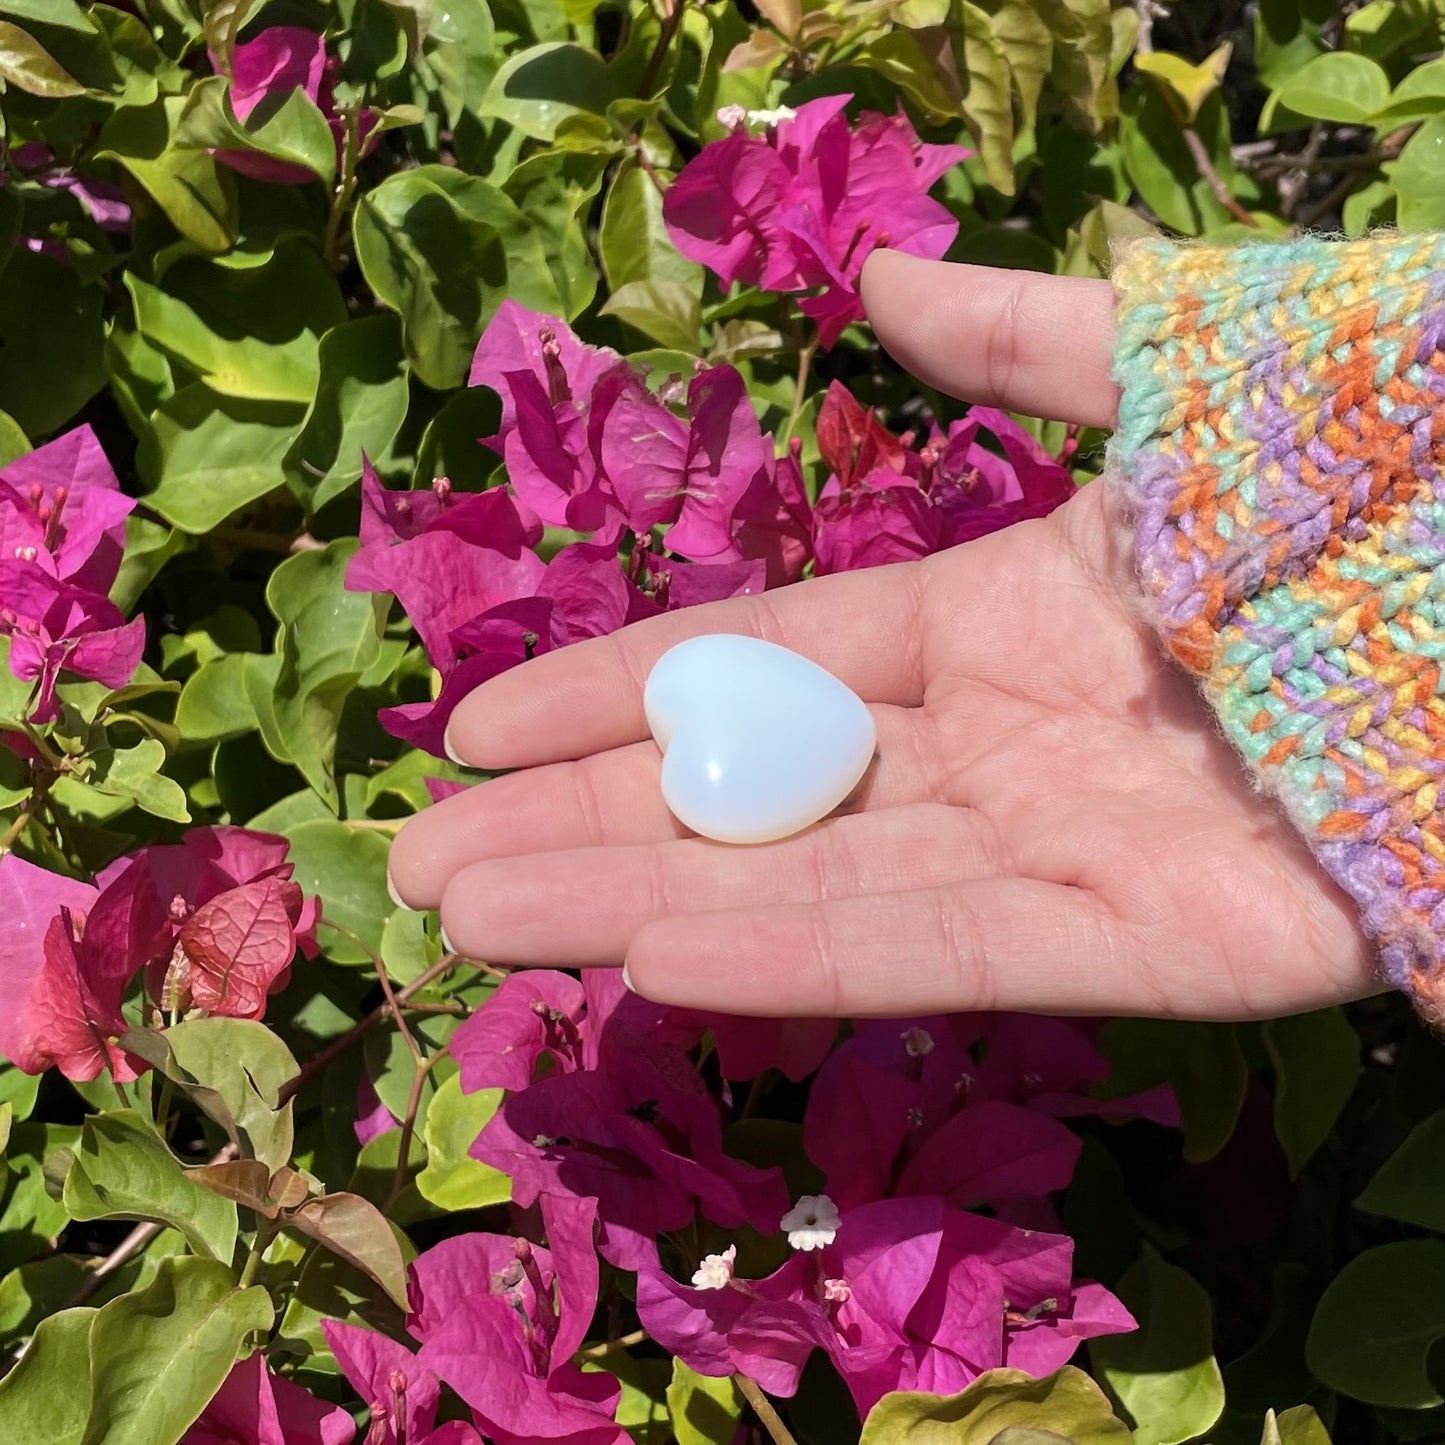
863, 627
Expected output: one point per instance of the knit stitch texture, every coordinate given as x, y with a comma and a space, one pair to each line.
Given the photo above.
1280, 458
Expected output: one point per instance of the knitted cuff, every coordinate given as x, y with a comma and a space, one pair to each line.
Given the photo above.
1280, 459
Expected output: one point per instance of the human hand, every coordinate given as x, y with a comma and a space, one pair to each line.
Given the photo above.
1052, 824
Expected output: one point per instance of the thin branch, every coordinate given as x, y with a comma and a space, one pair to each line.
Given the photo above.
1216, 184
762, 1407
408, 1124
670, 24
611, 1347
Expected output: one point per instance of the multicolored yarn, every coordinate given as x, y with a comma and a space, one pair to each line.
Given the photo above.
1281, 455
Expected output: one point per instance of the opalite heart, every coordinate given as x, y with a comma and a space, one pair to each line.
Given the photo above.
758, 742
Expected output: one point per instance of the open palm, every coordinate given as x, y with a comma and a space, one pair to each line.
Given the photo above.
1052, 822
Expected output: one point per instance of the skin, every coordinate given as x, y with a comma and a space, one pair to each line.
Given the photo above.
1052, 824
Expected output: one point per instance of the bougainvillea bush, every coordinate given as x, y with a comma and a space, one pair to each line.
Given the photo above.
351, 354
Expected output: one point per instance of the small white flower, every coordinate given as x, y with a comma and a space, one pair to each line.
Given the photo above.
812, 1223
732, 115
716, 1271
839, 1291
771, 117
917, 1042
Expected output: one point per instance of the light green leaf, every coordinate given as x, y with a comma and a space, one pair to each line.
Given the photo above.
213, 704
159, 1356
667, 311
1348, 89
1299, 1426
360, 404
537, 89
221, 21
987, 103
452, 1180
250, 333
462, 56
347, 867
27, 65
295, 131
1420, 95
1165, 1375
703, 1409
1007, 1406
327, 639
554, 190
208, 455
444, 250
46, 1396
13, 441
197, 195
1316, 1060
632, 240
1163, 169
1186, 87
64, 13
407, 949
1418, 177
123, 1170
1377, 1323
234, 1070
135, 773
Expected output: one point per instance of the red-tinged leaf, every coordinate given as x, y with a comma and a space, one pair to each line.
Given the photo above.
72, 1026
247, 1181
852, 441
239, 944
357, 1231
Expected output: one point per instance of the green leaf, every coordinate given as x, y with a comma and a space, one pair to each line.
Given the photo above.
158, 1357
123, 1170
206, 455
667, 311
449, 445
327, 639
539, 88
1186, 87
64, 13
13, 441
135, 773
1202, 1062
1377, 1322
1316, 1060
1162, 167
1418, 177
1347, 89
27, 65
251, 333
632, 240
452, 1180
46, 1396
1420, 95
1410, 1185
347, 867
462, 56
197, 195
1299, 1426
221, 21
1007, 1406
444, 250
234, 1070
703, 1409
1165, 1375
52, 341
987, 102
360, 404
294, 130
213, 704
554, 190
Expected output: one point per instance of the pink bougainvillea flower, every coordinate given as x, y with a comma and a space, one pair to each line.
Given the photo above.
373, 1118
500, 1319
61, 508
773, 520
102, 201
55, 627
534, 1014
255, 1407
268, 68
214, 920
801, 205
749, 1047
695, 471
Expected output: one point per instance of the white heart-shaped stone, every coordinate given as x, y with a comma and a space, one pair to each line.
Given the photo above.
758, 742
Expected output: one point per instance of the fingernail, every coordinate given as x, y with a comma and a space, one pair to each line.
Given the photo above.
446, 942
448, 749
392, 893
627, 980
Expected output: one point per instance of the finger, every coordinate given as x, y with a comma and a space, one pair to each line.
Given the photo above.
861, 626
1016, 339
609, 800
992, 943
585, 906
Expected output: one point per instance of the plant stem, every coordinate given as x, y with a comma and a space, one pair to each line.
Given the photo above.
28, 809
805, 366
671, 21
762, 1407
611, 1347
345, 189
252, 1267
1212, 177
338, 1046
408, 1124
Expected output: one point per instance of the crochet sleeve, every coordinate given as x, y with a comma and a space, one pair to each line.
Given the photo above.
1280, 468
